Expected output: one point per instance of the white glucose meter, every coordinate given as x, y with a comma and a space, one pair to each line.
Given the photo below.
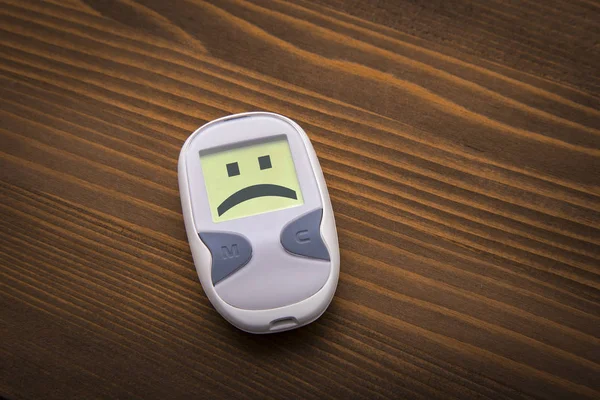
259, 221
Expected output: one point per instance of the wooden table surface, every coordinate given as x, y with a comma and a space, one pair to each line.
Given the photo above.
461, 147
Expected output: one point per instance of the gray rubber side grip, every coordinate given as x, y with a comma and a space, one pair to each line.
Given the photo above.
303, 236
230, 252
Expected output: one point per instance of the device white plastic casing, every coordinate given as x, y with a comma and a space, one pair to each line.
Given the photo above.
261, 320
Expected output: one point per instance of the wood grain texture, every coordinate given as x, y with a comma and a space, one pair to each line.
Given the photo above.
460, 143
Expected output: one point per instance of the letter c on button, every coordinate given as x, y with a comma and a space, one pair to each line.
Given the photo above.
302, 236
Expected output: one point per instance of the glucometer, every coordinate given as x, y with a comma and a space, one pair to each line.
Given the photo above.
259, 221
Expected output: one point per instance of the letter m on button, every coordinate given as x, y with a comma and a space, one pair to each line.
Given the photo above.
230, 252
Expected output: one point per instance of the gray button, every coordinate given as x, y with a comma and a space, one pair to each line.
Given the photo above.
303, 236
229, 252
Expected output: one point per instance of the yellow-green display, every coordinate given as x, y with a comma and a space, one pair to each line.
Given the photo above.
251, 180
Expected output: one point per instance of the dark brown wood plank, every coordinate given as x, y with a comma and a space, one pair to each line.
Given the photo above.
460, 143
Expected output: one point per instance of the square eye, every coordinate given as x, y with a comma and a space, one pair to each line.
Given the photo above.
233, 169
264, 162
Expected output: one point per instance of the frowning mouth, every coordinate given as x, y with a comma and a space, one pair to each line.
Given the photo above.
252, 192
